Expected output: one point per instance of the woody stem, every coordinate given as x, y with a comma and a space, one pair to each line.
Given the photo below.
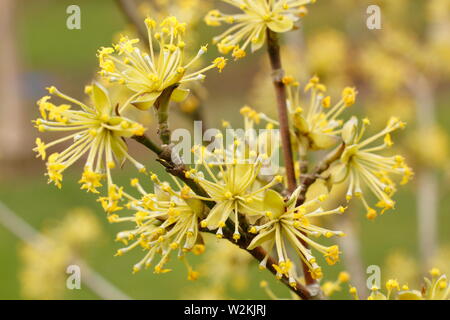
273, 50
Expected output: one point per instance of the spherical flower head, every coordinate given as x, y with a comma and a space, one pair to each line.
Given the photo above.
251, 24
96, 130
148, 74
289, 223
362, 166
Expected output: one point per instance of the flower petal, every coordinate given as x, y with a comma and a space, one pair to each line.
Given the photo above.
101, 99
146, 100
274, 203
179, 95
280, 24
261, 238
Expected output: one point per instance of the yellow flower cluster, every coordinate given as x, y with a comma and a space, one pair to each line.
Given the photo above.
361, 165
96, 130
238, 195
42, 274
436, 288
165, 221
288, 223
251, 24
318, 126
148, 74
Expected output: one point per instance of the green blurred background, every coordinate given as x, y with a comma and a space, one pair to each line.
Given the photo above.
47, 53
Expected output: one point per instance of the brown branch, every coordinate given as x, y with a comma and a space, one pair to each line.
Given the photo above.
144, 140
273, 49
308, 179
259, 254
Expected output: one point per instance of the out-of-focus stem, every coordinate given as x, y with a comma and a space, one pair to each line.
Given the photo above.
92, 279
13, 141
427, 184
427, 190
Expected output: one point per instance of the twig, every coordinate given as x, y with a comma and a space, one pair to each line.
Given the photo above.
259, 254
148, 143
308, 179
273, 49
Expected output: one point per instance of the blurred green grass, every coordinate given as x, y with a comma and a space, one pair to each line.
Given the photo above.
47, 44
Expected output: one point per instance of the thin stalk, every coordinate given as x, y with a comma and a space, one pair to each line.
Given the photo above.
162, 111
273, 50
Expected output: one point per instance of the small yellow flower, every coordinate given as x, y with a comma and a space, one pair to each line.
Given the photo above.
40, 149
166, 221
90, 180
330, 287
250, 25
343, 277
110, 203
230, 177
361, 165
292, 224
435, 288
317, 126
95, 130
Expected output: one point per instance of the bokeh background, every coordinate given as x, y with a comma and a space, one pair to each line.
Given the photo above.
402, 70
